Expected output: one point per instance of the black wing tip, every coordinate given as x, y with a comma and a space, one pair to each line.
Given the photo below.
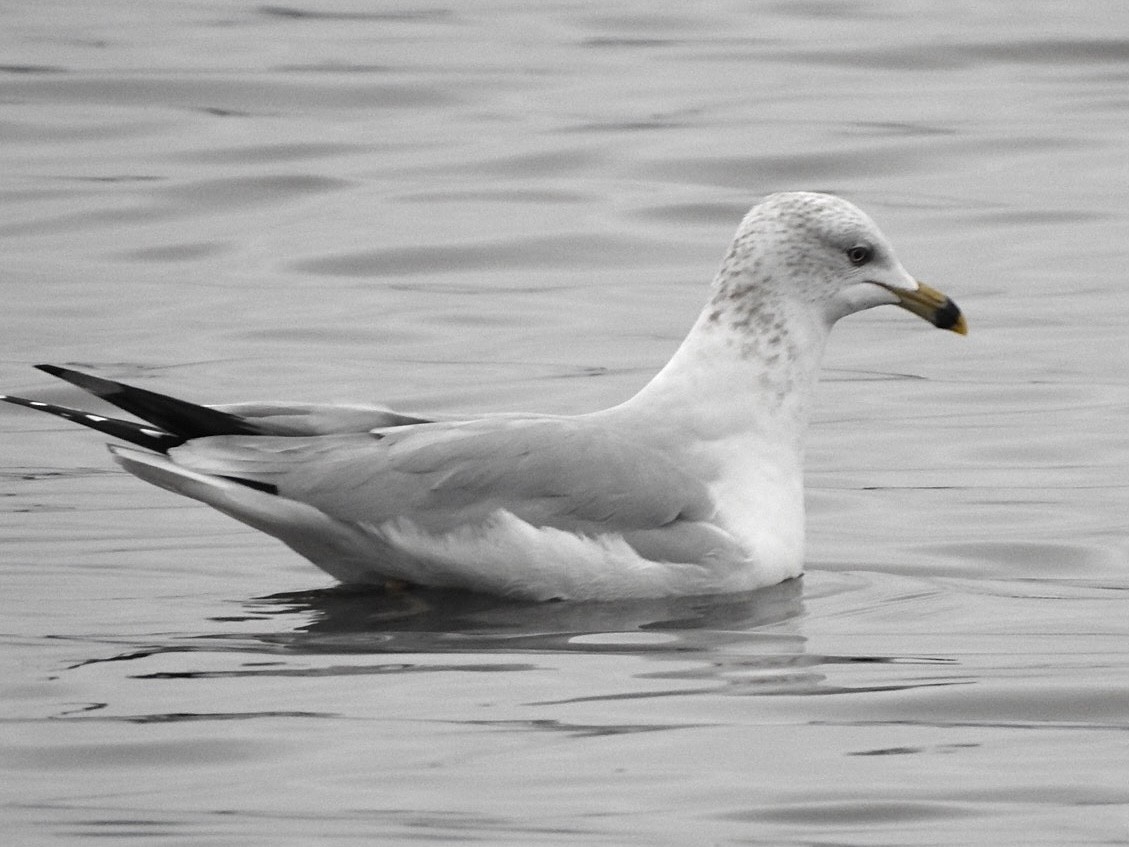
96, 385
18, 401
143, 435
179, 417
67, 374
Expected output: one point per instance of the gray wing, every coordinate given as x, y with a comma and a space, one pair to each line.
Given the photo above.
276, 418
565, 473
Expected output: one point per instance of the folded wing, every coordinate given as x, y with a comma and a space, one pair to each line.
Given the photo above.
564, 473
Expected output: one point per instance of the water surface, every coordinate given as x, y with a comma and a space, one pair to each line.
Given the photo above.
490, 206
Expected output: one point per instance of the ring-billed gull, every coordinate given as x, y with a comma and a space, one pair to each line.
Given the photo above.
693, 486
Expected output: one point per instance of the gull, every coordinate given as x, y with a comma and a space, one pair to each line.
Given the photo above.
694, 486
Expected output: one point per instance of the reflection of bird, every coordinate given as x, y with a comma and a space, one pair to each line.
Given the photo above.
422, 620
693, 486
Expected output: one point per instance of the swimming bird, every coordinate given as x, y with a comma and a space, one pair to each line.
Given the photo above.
693, 486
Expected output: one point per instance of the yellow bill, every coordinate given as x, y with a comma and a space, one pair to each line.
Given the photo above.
935, 307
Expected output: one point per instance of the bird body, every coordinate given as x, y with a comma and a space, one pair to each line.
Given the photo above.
693, 486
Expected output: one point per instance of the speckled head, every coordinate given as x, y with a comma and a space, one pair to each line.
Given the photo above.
817, 254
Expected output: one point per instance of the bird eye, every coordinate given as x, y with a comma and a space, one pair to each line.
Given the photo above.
859, 254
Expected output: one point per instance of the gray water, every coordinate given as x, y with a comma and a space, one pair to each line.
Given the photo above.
489, 206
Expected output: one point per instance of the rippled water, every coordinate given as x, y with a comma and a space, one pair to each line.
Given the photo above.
490, 206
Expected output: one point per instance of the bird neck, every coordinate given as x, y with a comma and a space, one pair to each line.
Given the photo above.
741, 371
